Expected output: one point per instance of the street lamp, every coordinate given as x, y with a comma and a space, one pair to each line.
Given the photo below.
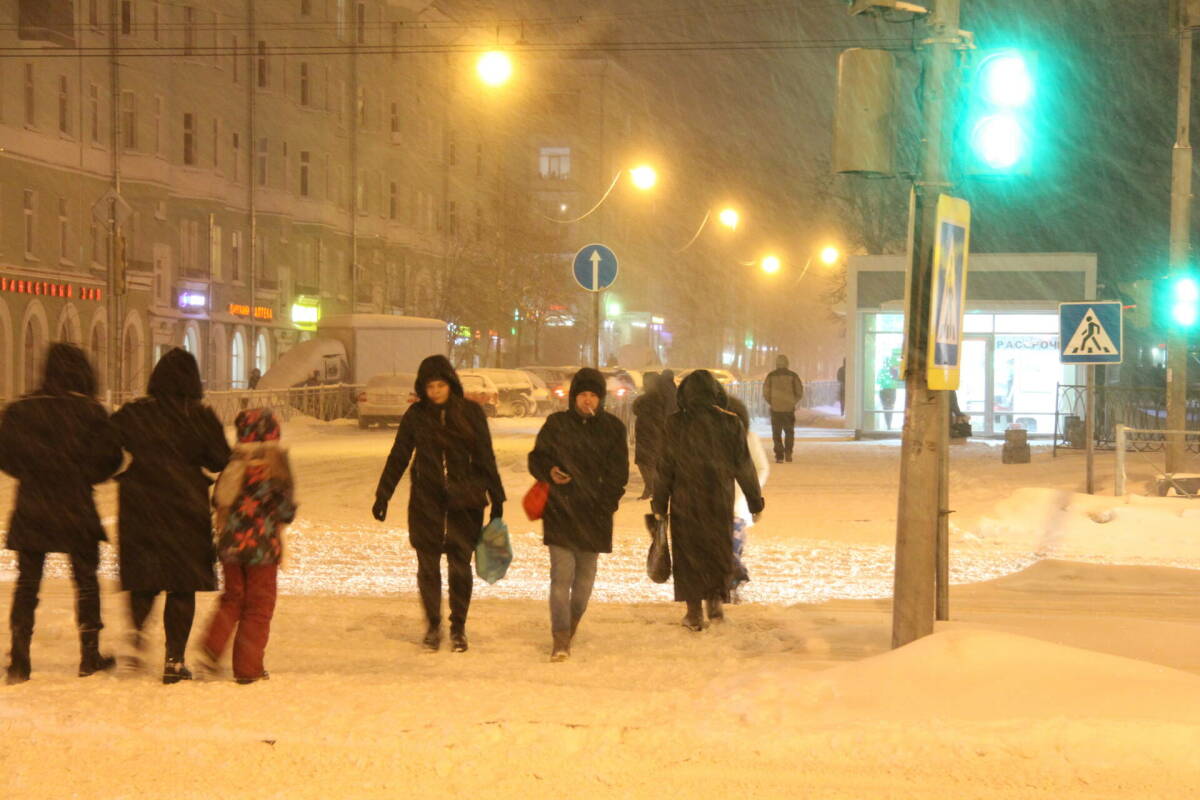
830, 256
729, 218
644, 178
494, 68
771, 264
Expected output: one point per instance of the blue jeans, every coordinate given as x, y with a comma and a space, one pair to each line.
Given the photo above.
572, 574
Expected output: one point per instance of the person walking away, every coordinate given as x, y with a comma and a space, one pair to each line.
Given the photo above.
254, 498
743, 520
454, 476
841, 380
783, 390
666, 386
164, 522
583, 454
57, 442
704, 454
649, 419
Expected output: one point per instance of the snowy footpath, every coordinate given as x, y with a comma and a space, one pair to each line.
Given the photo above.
1070, 669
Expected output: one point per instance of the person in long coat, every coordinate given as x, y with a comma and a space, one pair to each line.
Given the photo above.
650, 417
165, 522
57, 442
704, 454
453, 477
583, 454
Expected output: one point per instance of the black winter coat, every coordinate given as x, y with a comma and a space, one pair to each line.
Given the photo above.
704, 452
57, 446
453, 474
651, 417
165, 521
593, 451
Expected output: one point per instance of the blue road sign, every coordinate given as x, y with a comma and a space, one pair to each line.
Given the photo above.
1090, 333
595, 267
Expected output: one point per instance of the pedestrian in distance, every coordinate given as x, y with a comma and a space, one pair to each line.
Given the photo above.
666, 385
841, 380
584, 456
58, 442
704, 454
649, 419
453, 477
254, 499
164, 521
783, 391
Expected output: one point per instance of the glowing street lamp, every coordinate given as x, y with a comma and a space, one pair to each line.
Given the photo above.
771, 264
644, 177
830, 256
494, 68
729, 218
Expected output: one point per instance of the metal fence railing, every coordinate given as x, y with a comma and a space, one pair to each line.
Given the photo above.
336, 401
1143, 409
816, 393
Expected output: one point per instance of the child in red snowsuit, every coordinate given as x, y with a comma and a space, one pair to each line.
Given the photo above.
254, 500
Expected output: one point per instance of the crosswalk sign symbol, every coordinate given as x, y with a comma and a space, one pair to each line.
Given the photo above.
1090, 333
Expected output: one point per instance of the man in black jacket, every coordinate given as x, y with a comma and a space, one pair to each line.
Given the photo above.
583, 455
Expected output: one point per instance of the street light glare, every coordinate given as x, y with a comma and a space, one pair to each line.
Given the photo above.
729, 218
830, 255
771, 265
494, 68
644, 177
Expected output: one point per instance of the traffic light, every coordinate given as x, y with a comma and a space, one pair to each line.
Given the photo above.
1176, 302
1000, 113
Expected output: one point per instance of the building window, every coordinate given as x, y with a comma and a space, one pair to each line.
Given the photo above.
189, 139
260, 165
395, 40
452, 150
64, 231
361, 100
214, 252
304, 164
340, 18
216, 147
30, 95
30, 222
554, 162
305, 93
237, 157
395, 118
94, 112
262, 353
360, 23
478, 223
393, 201
305, 8
93, 7
129, 120
235, 256
263, 77
235, 59
287, 169
64, 105
154, 20
237, 361
158, 137
452, 218
126, 17
479, 160
189, 30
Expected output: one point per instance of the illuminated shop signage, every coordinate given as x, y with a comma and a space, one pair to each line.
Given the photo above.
49, 289
306, 312
191, 300
260, 312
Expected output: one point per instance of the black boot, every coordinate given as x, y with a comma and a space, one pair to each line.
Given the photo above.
175, 671
716, 612
19, 666
90, 660
694, 619
458, 640
433, 636
131, 661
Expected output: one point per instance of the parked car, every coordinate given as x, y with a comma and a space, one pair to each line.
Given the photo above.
385, 398
619, 383
558, 381
516, 391
480, 389
541, 394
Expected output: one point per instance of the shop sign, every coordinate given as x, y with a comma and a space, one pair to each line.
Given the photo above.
265, 313
306, 312
49, 289
191, 300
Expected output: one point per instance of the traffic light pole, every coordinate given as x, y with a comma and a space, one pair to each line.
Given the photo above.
923, 446
1181, 212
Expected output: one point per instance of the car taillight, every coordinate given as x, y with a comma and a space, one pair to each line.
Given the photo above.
560, 392
621, 392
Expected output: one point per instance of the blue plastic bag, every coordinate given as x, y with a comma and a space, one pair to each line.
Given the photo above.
494, 552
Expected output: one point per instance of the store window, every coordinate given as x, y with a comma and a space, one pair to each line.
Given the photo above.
237, 361
883, 385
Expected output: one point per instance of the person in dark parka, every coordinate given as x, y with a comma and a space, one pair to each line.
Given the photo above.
165, 521
453, 477
57, 442
650, 418
583, 454
704, 452
668, 389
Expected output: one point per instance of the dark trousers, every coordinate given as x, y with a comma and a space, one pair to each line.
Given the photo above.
247, 605
783, 432
429, 582
30, 566
179, 610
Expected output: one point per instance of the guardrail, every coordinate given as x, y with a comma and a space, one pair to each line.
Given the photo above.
1142, 409
1126, 435
335, 401
816, 393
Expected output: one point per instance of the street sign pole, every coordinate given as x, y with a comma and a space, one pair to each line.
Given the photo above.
1090, 333
1090, 426
1181, 214
595, 269
596, 329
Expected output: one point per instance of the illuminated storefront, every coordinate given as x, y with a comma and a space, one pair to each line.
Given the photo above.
1010, 368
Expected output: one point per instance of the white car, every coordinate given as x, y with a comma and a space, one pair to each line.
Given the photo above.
515, 389
385, 398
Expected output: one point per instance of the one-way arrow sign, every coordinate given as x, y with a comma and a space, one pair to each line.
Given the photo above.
595, 267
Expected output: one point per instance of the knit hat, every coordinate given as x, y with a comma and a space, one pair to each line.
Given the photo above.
588, 380
256, 425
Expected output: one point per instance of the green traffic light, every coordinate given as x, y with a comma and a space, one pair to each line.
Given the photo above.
999, 126
999, 141
1006, 81
1185, 296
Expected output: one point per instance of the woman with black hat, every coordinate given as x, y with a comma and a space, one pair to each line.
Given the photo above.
453, 477
165, 522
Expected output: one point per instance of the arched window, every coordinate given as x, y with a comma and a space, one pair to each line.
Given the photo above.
131, 356
98, 347
237, 361
191, 342
68, 328
262, 353
33, 347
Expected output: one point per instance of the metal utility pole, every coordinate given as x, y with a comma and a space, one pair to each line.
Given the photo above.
1181, 213
116, 282
923, 446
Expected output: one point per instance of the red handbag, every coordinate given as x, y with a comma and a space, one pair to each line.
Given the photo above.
535, 500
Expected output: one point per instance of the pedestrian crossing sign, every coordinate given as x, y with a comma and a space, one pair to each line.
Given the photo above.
1090, 333
948, 293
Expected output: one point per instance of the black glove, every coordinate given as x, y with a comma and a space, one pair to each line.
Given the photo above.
379, 510
497, 510
756, 505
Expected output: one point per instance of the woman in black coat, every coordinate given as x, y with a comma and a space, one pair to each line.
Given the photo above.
453, 477
582, 453
703, 454
650, 416
165, 521
57, 442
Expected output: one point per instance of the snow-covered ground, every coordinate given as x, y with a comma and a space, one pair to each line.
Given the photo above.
1071, 668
